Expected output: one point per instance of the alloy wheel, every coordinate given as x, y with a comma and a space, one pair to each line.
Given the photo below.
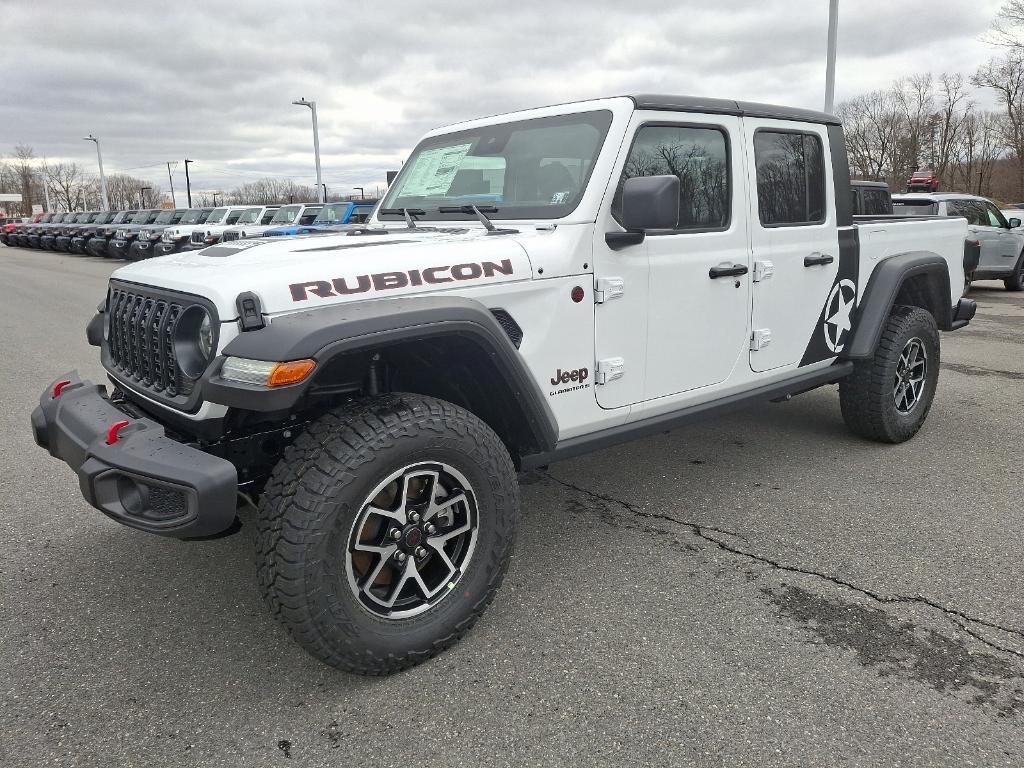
412, 539
911, 372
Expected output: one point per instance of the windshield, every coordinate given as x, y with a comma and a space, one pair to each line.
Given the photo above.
915, 207
331, 214
216, 215
248, 216
104, 217
194, 216
166, 217
142, 217
526, 169
233, 216
122, 217
286, 215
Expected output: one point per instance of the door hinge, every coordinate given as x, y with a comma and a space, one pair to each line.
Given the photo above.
608, 288
763, 270
609, 369
760, 339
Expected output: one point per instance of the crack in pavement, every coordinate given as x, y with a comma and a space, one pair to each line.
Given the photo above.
701, 531
976, 370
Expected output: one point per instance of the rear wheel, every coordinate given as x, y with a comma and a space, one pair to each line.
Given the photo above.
887, 398
385, 531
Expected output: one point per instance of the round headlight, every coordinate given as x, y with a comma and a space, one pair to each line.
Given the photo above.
194, 340
206, 337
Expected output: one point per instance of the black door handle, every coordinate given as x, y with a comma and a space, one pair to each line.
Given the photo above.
817, 259
735, 269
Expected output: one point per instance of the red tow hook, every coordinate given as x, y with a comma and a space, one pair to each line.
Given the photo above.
59, 387
116, 427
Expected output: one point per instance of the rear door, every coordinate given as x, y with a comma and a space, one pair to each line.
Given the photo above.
795, 244
979, 227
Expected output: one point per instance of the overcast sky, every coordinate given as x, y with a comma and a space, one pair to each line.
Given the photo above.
213, 80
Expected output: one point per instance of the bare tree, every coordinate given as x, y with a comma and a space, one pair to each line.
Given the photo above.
67, 184
1005, 76
954, 108
977, 150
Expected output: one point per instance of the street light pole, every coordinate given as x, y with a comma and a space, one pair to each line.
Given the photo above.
103, 178
362, 193
830, 62
174, 200
142, 196
188, 184
320, 190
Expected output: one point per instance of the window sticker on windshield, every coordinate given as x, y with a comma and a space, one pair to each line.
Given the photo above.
559, 197
434, 171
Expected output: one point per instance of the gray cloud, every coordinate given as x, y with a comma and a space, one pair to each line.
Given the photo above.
214, 81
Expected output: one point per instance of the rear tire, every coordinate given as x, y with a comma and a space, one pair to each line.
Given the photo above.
887, 398
327, 557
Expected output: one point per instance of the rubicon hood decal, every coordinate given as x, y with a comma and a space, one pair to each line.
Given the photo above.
295, 273
382, 281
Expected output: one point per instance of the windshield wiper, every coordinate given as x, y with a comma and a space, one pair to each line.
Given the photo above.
408, 213
476, 210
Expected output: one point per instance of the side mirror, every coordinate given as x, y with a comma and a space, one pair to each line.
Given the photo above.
648, 202
1014, 223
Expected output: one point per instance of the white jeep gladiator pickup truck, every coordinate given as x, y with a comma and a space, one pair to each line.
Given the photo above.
534, 286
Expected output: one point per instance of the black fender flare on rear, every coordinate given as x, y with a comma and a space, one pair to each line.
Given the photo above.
335, 331
930, 275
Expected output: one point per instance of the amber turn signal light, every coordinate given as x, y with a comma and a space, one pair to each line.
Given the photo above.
290, 373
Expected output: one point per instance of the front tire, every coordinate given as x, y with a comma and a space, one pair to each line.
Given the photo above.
887, 398
1015, 282
331, 567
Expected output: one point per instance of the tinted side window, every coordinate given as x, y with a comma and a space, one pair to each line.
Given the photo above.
790, 178
698, 157
970, 210
876, 202
856, 202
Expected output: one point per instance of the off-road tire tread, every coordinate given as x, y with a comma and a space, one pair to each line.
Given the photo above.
864, 395
294, 505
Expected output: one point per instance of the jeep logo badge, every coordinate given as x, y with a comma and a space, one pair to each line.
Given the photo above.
564, 377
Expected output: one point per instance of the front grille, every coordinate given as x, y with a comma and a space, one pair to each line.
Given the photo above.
229, 236
198, 238
141, 341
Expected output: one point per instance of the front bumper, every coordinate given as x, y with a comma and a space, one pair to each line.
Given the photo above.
62, 243
118, 249
97, 246
46, 242
143, 479
78, 244
142, 249
163, 248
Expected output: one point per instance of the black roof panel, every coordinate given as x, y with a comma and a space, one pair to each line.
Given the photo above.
711, 106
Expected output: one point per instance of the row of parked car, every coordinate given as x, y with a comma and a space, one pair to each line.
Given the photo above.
139, 234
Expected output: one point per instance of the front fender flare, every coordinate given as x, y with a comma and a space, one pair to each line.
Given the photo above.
325, 333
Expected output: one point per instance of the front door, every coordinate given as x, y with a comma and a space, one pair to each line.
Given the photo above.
801, 312
690, 310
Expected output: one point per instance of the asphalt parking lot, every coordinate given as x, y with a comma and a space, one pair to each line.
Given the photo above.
765, 589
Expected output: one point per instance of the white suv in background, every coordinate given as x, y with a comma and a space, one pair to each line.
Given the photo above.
234, 215
288, 215
1002, 243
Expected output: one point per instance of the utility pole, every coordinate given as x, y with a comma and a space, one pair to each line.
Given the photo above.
103, 178
320, 186
170, 181
215, 199
830, 62
188, 184
46, 186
